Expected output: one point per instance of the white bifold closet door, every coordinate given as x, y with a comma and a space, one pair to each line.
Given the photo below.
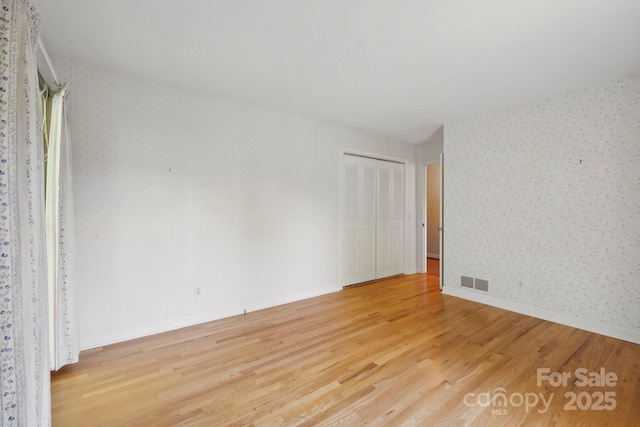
372, 219
390, 215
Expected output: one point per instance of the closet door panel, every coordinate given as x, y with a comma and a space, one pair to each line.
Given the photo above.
390, 219
384, 216
368, 223
357, 220
350, 254
397, 220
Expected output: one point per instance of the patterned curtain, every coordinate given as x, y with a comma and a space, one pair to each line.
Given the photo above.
24, 363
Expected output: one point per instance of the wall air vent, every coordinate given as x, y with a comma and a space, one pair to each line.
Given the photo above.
466, 281
482, 285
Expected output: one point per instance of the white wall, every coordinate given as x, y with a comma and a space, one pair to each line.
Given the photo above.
176, 190
543, 201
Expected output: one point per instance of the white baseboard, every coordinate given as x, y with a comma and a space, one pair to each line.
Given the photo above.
552, 316
99, 340
436, 256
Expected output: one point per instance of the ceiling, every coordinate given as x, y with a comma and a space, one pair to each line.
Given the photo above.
399, 68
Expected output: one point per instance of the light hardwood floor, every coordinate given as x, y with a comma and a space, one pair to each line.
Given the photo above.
393, 352
433, 266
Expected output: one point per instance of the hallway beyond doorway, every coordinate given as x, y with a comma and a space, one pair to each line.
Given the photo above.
433, 267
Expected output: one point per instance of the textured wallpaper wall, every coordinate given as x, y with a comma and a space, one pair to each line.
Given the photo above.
176, 190
543, 201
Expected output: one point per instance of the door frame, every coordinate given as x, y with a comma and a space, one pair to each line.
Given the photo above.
422, 213
408, 210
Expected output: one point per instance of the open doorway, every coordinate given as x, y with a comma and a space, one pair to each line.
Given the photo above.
432, 218
430, 202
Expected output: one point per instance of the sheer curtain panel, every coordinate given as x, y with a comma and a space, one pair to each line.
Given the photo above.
24, 363
63, 340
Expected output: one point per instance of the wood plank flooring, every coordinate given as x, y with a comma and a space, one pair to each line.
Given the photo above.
433, 266
394, 352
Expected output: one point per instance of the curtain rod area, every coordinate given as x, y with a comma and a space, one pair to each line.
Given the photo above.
48, 61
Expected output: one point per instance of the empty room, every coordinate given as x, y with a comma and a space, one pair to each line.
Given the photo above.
278, 213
